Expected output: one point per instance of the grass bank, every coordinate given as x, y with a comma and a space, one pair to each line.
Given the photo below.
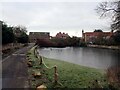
75, 76
69, 75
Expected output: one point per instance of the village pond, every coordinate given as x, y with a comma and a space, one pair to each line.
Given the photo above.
91, 57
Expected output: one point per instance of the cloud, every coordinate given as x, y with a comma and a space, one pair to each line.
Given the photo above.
56, 0
70, 17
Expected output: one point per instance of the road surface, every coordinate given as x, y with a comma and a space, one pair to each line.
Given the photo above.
14, 70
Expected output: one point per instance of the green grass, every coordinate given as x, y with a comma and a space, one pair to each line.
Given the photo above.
74, 76
70, 75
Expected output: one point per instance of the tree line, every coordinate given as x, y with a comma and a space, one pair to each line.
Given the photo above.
13, 34
61, 42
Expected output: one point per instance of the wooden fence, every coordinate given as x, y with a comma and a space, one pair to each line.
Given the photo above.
56, 81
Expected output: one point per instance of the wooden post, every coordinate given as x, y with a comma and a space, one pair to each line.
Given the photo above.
55, 75
35, 51
41, 61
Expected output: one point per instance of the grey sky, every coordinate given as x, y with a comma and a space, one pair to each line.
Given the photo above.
69, 17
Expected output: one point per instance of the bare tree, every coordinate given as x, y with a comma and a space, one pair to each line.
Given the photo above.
116, 22
110, 9
22, 28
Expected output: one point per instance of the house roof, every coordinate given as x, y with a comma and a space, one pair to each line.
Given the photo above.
97, 33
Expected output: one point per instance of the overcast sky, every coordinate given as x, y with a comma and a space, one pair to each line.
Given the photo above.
66, 16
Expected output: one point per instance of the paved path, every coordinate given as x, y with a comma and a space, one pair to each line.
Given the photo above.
14, 70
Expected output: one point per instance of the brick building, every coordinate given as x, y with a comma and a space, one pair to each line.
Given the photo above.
62, 35
33, 36
89, 37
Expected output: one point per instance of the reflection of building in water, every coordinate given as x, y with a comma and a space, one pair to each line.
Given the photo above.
89, 37
33, 36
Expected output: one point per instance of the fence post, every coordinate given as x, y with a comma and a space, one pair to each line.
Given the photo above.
34, 51
55, 75
41, 61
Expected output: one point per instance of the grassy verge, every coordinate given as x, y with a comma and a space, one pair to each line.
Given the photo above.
70, 75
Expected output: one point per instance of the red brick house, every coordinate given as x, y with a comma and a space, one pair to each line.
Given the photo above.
89, 37
62, 35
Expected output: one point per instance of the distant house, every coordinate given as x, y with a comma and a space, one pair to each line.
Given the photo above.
89, 37
62, 35
33, 36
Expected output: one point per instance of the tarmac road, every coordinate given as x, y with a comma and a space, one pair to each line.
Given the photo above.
14, 70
